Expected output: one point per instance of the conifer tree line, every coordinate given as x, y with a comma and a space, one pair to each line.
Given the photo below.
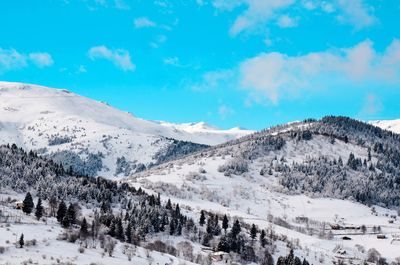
139, 215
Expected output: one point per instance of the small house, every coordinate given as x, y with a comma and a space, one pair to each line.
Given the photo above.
19, 205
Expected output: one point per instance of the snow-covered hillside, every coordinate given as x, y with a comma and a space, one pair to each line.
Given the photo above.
82, 132
265, 179
390, 125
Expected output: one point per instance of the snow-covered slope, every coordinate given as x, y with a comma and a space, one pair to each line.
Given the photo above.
390, 125
264, 178
204, 133
62, 124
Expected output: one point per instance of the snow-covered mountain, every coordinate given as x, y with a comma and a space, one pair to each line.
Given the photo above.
390, 125
299, 178
92, 135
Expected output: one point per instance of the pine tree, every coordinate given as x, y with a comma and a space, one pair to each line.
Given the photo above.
71, 214
28, 204
253, 232
263, 241
225, 223
65, 222
93, 230
223, 244
83, 232
158, 202
168, 205
39, 209
61, 212
235, 229
119, 230
202, 218
21, 241
177, 210
128, 233
171, 227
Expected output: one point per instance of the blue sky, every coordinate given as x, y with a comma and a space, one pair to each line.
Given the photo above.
248, 63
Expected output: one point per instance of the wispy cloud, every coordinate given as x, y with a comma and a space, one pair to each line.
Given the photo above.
174, 61
214, 79
120, 57
11, 59
356, 12
257, 14
271, 75
97, 4
41, 59
286, 21
143, 22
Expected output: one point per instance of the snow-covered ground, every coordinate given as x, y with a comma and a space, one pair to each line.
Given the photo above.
197, 183
53, 120
44, 246
390, 125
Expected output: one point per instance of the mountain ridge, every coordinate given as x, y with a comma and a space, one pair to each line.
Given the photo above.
91, 136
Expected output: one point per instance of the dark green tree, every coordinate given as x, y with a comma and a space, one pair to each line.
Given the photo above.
28, 204
71, 214
172, 227
21, 241
39, 209
128, 233
224, 245
263, 240
119, 230
225, 223
168, 205
253, 232
235, 229
83, 232
65, 222
62, 211
202, 218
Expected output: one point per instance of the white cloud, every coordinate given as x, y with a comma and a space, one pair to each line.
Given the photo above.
214, 79
286, 21
271, 75
356, 12
257, 13
11, 59
327, 7
94, 5
143, 22
121, 4
174, 61
41, 59
309, 5
121, 58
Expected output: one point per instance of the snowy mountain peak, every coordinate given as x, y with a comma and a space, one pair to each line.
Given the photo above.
390, 125
79, 130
